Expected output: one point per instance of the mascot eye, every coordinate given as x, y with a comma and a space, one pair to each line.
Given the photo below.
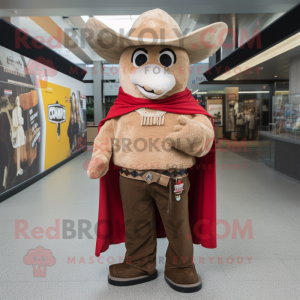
139, 58
167, 58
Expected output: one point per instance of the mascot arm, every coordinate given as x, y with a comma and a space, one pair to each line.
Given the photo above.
196, 135
102, 152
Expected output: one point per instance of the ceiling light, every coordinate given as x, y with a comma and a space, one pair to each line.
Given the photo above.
254, 92
201, 93
195, 92
274, 51
62, 50
85, 18
275, 76
119, 23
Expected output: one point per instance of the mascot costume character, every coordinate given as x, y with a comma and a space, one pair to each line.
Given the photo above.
155, 150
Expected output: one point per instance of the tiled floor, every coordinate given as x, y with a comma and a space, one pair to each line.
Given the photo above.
266, 266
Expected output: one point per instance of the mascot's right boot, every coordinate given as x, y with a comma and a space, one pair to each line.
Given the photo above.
184, 280
124, 274
139, 200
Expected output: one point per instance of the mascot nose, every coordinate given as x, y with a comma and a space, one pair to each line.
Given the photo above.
153, 81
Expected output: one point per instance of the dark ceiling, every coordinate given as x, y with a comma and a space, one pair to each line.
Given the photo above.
134, 7
281, 29
277, 66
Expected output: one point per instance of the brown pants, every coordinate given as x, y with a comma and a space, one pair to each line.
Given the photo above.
139, 199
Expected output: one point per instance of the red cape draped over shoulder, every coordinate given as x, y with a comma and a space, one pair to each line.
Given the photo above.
202, 193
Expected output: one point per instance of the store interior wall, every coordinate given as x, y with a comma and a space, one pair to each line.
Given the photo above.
98, 104
294, 76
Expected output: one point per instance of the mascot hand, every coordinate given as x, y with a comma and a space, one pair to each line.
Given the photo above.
187, 135
98, 167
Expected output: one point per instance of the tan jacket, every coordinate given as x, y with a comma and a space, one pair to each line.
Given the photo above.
142, 147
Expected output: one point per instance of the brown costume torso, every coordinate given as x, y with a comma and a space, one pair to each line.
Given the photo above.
141, 147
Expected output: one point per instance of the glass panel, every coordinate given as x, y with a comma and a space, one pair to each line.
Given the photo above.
266, 150
109, 101
286, 116
283, 130
90, 108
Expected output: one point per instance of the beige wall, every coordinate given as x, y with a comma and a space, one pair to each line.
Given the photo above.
92, 132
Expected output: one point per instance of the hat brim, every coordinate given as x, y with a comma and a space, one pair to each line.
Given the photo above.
198, 44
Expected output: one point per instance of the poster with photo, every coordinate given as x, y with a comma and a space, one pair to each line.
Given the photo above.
42, 118
20, 134
77, 123
216, 111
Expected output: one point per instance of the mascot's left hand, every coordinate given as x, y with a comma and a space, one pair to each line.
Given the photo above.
187, 134
98, 167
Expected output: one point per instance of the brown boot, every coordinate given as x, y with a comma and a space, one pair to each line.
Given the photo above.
183, 280
123, 275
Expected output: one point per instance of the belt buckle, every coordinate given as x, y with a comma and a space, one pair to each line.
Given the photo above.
149, 176
178, 188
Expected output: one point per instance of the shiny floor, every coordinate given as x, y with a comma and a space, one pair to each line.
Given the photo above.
262, 264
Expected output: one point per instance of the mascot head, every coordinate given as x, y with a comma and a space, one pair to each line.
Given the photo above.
154, 57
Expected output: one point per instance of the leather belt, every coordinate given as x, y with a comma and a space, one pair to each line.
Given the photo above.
157, 177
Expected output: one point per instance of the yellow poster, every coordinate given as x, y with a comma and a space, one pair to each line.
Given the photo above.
57, 108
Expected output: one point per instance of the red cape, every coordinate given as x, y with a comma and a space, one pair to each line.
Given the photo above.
202, 193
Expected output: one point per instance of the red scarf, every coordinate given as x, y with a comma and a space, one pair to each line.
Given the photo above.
202, 193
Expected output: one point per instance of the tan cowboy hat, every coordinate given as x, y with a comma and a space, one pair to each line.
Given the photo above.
155, 27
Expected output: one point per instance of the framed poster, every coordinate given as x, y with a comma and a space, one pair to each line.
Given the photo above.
231, 96
216, 111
